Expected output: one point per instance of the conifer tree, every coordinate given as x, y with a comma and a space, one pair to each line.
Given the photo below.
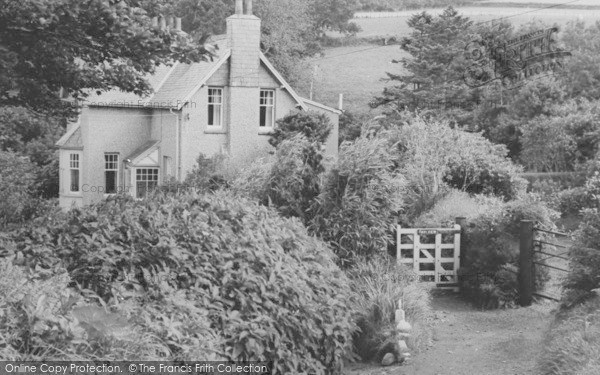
434, 71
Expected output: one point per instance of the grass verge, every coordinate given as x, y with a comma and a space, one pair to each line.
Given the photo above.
572, 345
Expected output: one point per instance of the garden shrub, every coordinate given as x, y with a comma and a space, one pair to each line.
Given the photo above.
289, 181
350, 126
294, 179
378, 285
481, 167
572, 201
313, 126
41, 318
490, 251
269, 290
584, 275
434, 156
455, 204
18, 188
359, 202
209, 174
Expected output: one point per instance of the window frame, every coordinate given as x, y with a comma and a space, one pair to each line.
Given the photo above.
157, 180
209, 105
115, 169
266, 126
71, 169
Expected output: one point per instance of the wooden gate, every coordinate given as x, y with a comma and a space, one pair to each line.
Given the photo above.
434, 253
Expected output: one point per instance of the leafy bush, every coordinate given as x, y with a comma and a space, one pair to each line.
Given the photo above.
41, 318
378, 285
360, 199
458, 204
208, 174
584, 275
294, 178
18, 190
434, 156
547, 145
350, 126
314, 126
572, 345
572, 201
269, 290
289, 181
491, 251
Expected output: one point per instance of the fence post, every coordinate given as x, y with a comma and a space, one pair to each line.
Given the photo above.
526, 263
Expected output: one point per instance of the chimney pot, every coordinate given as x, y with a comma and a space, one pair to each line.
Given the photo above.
248, 7
162, 23
154, 21
178, 23
239, 7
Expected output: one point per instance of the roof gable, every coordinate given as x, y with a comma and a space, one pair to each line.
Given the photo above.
145, 156
278, 76
71, 139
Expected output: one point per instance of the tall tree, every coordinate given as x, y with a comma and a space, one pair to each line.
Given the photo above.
436, 66
581, 76
74, 45
335, 15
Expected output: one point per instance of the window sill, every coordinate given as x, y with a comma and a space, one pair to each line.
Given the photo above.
214, 130
266, 131
72, 194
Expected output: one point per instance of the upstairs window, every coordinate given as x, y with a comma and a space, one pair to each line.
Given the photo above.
74, 168
267, 108
215, 106
111, 169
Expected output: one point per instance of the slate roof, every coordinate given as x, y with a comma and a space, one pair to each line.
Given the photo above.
71, 139
142, 151
171, 84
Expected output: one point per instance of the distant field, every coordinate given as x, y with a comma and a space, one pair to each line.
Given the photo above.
518, 16
547, 2
356, 71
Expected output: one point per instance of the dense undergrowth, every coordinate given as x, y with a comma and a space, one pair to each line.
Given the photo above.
191, 276
379, 284
572, 345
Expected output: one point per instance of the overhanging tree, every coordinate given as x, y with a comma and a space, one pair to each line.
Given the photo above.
74, 45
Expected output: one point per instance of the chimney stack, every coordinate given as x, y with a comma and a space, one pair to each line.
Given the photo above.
248, 7
243, 31
239, 7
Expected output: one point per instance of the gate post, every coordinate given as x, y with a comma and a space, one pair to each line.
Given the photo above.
462, 221
526, 263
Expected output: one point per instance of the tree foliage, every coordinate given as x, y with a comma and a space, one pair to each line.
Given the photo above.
49, 45
581, 76
435, 68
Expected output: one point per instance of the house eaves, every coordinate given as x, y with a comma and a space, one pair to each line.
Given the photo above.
322, 106
282, 81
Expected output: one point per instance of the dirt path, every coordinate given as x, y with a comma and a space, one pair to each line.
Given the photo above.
472, 342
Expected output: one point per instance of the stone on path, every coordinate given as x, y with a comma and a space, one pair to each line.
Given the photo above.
388, 359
